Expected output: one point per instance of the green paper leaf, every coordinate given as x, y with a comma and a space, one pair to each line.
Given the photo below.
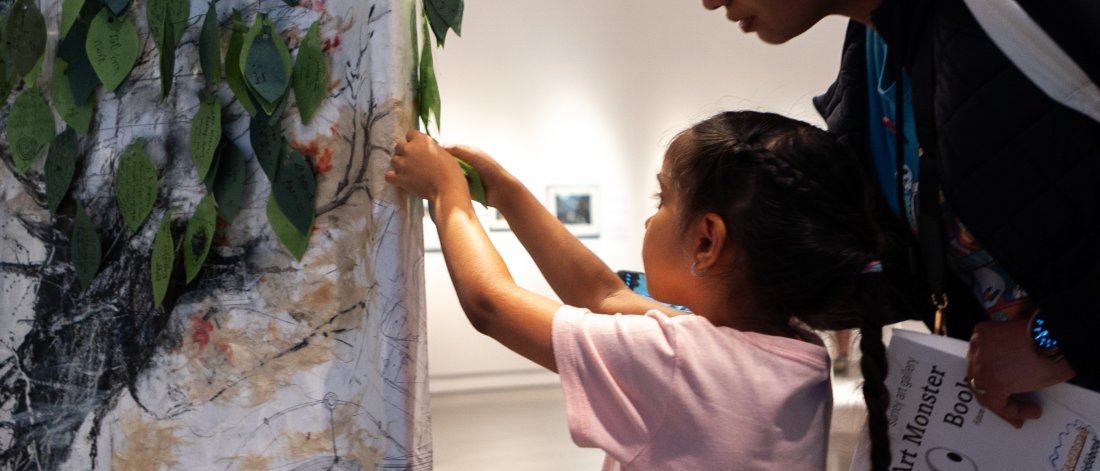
112, 48
30, 128
436, 21
84, 249
473, 179
5, 83
268, 143
267, 62
428, 90
179, 12
117, 6
234, 74
229, 183
210, 53
60, 168
162, 260
294, 241
135, 185
450, 11
82, 78
25, 36
163, 33
295, 190
206, 133
199, 237
70, 11
79, 116
310, 74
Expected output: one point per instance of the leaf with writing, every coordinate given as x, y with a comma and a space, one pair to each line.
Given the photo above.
428, 90
79, 116
60, 167
82, 78
135, 185
234, 75
206, 133
199, 237
229, 183
268, 144
310, 75
112, 48
294, 241
163, 259
30, 128
117, 6
70, 11
25, 37
267, 63
295, 189
210, 52
84, 249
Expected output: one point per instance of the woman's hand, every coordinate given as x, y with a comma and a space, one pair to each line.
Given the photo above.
424, 169
493, 176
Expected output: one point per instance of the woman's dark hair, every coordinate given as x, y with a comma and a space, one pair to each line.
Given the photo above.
798, 209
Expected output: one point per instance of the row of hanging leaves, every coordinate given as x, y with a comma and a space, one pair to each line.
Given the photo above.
100, 46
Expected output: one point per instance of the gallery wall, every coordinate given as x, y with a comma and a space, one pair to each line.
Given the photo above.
587, 94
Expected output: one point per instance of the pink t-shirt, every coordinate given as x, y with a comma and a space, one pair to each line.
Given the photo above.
677, 393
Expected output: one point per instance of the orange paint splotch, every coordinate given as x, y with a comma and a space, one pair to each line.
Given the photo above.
201, 329
330, 43
320, 157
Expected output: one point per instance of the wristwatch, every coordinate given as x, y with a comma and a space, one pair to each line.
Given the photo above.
1045, 343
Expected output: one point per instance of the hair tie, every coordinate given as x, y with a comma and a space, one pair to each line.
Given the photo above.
874, 266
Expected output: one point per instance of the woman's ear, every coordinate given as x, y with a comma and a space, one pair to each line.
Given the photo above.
709, 241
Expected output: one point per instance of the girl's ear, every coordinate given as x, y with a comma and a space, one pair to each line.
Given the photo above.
709, 242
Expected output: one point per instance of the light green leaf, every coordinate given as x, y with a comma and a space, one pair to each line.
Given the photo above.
295, 190
210, 53
70, 11
294, 241
25, 37
206, 133
60, 168
473, 179
30, 128
229, 183
112, 48
428, 90
267, 63
162, 260
79, 116
84, 249
117, 6
268, 144
310, 74
234, 74
135, 185
199, 237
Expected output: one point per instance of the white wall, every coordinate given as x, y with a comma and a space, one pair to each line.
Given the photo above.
583, 92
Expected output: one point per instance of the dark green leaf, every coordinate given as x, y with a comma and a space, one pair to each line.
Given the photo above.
310, 75
229, 184
79, 116
5, 82
210, 53
82, 78
168, 60
199, 236
473, 179
291, 3
25, 36
117, 6
234, 74
268, 144
294, 241
267, 63
427, 89
135, 185
164, 257
112, 48
156, 16
70, 11
206, 133
436, 21
84, 249
450, 11
60, 168
179, 12
30, 128
295, 189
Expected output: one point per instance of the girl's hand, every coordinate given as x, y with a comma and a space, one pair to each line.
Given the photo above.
424, 169
493, 176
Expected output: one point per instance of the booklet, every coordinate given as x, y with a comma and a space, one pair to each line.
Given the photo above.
936, 424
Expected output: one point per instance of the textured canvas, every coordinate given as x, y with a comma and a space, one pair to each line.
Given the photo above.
263, 361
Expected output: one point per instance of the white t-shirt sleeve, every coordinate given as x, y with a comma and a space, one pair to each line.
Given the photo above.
616, 372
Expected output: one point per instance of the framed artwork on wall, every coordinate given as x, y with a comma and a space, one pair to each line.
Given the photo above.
577, 208
496, 221
431, 235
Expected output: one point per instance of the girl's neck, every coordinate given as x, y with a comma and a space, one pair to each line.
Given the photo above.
747, 317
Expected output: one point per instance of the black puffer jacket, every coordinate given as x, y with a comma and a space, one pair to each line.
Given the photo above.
1019, 169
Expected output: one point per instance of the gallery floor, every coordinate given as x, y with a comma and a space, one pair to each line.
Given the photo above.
524, 430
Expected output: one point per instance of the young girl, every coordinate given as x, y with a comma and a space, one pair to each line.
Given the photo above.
761, 231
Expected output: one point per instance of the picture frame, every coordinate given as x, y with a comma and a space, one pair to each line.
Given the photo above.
576, 207
496, 222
